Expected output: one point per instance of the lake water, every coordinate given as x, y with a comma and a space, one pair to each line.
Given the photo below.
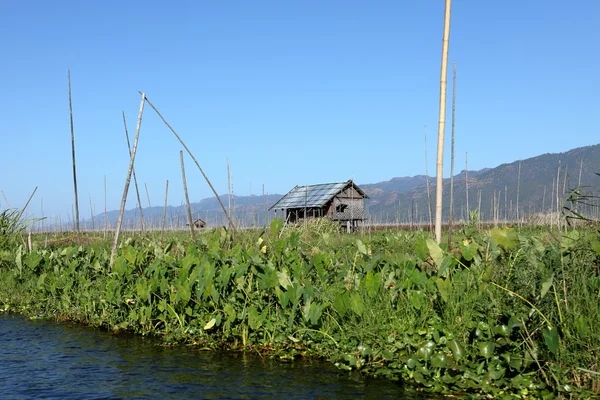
49, 360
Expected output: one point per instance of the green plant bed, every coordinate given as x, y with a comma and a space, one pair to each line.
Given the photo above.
500, 313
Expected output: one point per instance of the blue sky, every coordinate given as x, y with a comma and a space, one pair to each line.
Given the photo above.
291, 92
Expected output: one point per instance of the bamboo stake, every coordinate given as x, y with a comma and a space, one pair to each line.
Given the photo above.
162, 231
580, 169
127, 181
557, 196
26, 204
467, 182
92, 212
228, 187
187, 199
451, 215
137, 191
427, 183
149, 205
518, 190
73, 153
5, 199
195, 161
442, 123
105, 222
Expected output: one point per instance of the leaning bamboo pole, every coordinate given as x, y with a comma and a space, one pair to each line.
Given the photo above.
149, 205
137, 191
442, 124
76, 217
195, 161
127, 181
187, 198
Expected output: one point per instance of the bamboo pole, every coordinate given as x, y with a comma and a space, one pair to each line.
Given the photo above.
137, 191
442, 124
518, 191
6, 200
451, 215
26, 204
187, 199
228, 188
149, 205
92, 212
557, 196
162, 230
73, 154
127, 181
427, 183
195, 161
467, 183
105, 221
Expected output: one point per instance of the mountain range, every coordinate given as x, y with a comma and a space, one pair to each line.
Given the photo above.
509, 191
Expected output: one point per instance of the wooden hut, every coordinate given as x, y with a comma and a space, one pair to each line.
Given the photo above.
342, 201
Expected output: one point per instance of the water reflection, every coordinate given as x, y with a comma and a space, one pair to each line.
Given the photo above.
43, 359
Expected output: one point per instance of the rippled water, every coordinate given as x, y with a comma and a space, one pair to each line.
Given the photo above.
43, 359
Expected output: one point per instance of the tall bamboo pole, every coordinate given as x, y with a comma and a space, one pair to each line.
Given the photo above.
137, 191
442, 124
195, 161
127, 181
451, 216
73, 154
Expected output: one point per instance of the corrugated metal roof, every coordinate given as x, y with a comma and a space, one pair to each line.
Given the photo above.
311, 195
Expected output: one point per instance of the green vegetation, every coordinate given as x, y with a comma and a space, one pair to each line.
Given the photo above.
502, 313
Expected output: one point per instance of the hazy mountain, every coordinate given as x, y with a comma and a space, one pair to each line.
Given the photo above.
405, 198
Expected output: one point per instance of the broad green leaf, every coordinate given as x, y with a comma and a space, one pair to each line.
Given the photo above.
284, 278
362, 249
468, 250
130, 254
438, 360
486, 349
569, 240
435, 251
341, 303
255, 319
457, 349
357, 303
417, 298
596, 245
387, 355
443, 286
546, 285
551, 339
210, 324
421, 249
276, 226
505, 237
372, 283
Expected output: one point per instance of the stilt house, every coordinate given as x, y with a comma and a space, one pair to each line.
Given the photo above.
343, 202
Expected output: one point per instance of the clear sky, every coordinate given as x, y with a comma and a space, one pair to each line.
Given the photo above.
291, 92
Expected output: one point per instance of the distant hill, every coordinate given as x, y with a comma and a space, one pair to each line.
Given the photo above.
404, 199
